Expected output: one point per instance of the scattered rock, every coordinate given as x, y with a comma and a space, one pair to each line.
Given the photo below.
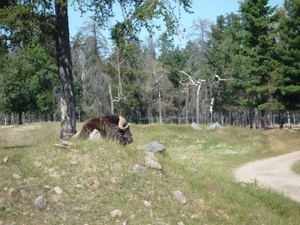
11, 192
138, 168
40, 202
95, 135
154, 146
6, 159
95, 184
152, 163
180, 223
17, 176
214, 126
195, 216
124, 222
56, 191
116, 213
55, 197
151, 155
66, 143
146, 203
195, 126
193, 170
178, 195
60, 146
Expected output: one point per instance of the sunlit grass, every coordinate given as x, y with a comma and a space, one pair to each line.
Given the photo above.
198, 163
296, 167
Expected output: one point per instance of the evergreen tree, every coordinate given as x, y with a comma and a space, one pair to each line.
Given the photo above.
287, 78
258, 43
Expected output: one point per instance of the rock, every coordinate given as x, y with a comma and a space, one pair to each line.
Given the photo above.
66, 143
6, 159
178, 195
146, 203
180, 223
138, 168
40, 202
152, 163
55, 198
214, 126
11, 192
124, 222
95, 184
116, 213
56, 191
17, 176
195, 216
154, 146
95, 135
151, 155
193, 170
195, 126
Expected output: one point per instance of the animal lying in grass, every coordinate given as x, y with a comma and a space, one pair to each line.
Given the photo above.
112, 127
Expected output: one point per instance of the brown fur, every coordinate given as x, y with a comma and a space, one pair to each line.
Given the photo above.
109, 128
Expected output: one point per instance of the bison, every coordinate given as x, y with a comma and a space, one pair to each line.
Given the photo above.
113, 127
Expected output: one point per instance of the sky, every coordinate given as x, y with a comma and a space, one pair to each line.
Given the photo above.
202, 9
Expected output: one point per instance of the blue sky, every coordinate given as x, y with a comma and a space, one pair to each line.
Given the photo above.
202, 9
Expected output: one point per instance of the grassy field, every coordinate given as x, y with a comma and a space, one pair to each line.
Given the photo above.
97, 177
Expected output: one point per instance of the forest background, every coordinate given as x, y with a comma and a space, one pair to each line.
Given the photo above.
243, 69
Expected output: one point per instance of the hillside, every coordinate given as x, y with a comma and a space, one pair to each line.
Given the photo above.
97, 178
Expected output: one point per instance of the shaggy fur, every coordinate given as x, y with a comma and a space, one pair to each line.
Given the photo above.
109, 128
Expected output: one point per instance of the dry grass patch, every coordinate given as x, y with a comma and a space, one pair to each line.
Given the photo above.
97, 177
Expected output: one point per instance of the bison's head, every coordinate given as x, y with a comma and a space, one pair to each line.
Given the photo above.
124, 134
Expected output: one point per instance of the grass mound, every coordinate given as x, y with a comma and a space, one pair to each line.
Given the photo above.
97, 177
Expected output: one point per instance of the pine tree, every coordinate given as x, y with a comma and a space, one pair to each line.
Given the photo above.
287, 78
258, 43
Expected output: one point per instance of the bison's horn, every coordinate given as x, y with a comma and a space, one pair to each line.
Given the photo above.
122, 121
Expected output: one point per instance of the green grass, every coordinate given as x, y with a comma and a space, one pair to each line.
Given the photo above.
296, 167
198, 163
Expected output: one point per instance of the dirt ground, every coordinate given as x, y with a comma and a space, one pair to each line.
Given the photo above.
274, 173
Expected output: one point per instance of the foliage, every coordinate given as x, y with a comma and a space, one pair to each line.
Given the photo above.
287, 77
247, 62
259, 44
28, 81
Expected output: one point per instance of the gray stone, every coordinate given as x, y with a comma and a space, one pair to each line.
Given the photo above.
116, 213
195, 126
178, 195
138, 168
152, 163
214, 126
6, 159
154, 146
40, 202
56, 190
151, 155
95, 135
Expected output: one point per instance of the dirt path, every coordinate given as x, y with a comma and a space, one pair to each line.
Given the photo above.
274, 172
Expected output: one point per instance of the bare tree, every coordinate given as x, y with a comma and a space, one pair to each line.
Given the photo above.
197, 83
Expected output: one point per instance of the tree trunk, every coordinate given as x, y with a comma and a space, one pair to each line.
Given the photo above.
67, 98
112, 108
198, 103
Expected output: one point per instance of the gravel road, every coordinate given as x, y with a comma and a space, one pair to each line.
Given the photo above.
274, 173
